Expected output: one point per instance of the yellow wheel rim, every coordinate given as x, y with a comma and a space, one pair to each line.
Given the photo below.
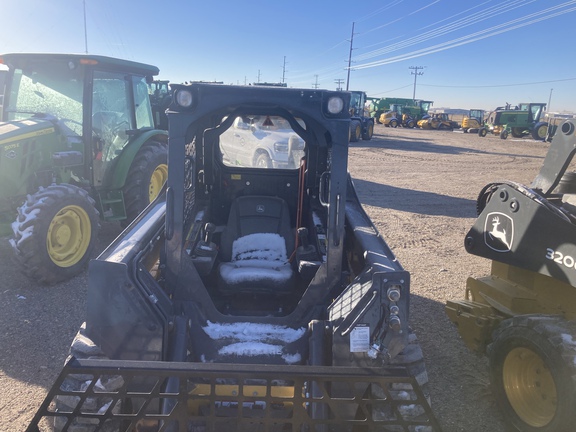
542, 131
69, 236
159, 177
530, 387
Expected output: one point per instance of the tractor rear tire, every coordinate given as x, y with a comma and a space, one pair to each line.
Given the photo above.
147, 174
517, 132
540, 130
393, 123
367, 136
482, 132
533, 372
55, 233
411, 124
355, 131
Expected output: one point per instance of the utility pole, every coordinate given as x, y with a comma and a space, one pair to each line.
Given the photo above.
350, 57
284, 70
339, 82
258, 76
316, 85
549, 99
416, 73
85, 30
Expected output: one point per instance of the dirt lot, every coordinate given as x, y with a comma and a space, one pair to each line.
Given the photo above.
420, 189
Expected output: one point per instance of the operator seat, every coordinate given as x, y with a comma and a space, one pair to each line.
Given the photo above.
255, 247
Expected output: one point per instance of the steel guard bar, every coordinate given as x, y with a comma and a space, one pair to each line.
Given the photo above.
165, 396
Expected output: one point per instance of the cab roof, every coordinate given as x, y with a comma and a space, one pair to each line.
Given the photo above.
20, 59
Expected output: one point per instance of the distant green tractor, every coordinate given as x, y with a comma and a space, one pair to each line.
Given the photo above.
520, 120
77, 142
160, 99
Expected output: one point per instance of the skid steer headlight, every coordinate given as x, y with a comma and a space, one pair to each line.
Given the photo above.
184, 98
335, 105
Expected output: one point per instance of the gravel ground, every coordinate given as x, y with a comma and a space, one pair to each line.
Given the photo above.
420, 189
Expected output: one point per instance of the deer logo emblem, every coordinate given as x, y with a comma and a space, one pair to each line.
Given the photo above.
499, 232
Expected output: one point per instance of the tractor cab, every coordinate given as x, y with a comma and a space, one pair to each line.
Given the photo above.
75, 125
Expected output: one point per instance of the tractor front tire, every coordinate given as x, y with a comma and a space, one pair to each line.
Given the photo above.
533, 372
55, 233
482, 132
504, 134
147, 174
369, 131
393, 123
355, 131
540, 130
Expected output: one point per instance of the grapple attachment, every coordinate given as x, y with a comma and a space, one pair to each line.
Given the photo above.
162, 396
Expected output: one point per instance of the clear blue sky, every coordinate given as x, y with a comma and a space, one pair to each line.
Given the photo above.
478, 54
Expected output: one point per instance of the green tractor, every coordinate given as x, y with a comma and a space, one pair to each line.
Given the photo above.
160, 99
520, 120
77, 143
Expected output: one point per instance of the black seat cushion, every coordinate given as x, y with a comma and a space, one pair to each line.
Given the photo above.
255, 247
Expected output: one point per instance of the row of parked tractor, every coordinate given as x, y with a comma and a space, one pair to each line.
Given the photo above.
524, 119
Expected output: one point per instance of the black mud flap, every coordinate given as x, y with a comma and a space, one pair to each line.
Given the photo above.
162, 396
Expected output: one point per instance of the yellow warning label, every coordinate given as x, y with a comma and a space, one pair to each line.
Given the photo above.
27, 135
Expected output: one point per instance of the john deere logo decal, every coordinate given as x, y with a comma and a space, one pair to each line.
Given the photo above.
499, 232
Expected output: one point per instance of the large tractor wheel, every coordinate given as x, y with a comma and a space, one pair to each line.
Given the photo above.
540, 130
533, 372
410, 124
355, 131
517, 132
394, 123
55, 233
369, 131
482, 132
147, 174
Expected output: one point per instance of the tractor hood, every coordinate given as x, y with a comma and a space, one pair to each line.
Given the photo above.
22, 148
14, 134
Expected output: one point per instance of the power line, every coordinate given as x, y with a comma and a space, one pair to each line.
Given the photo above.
499, 85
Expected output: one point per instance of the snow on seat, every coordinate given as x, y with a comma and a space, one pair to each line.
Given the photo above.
259, 263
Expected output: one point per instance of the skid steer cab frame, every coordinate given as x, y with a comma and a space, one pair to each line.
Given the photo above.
250, 294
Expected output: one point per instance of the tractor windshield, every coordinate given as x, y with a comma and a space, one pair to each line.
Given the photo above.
51, 88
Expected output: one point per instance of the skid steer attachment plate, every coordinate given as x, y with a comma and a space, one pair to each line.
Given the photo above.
162, 396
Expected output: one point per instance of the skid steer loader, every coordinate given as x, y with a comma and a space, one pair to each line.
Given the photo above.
248, 296
523, 315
